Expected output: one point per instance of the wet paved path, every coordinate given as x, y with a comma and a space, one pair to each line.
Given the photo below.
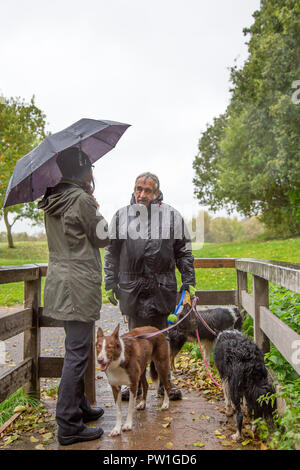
190, 421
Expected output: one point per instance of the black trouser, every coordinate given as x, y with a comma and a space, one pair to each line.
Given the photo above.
159, 321
72, 402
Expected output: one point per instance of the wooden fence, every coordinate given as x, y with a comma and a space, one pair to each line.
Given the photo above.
267, 327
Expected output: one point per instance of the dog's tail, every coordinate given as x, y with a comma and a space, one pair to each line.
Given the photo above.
239, 319
153, 372
235, 385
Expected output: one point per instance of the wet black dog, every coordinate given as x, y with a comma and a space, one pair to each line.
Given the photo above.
244, 376
218, 319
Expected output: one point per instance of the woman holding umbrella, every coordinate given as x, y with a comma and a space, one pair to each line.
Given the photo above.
75, 232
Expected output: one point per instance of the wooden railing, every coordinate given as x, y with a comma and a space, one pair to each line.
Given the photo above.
30, 320
267, 327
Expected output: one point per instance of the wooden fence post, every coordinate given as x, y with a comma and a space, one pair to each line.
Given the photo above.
241, 284
32, 295
261, 298
89, 380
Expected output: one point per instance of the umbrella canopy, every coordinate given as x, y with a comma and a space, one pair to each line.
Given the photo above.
37, 170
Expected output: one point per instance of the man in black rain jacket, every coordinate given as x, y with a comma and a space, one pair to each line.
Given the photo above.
148, 240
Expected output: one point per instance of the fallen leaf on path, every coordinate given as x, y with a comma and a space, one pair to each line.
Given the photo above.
198, 444
20, 408
203, 416
166, 425
263, 446
246, 442
169, 445
42, 430
227, 443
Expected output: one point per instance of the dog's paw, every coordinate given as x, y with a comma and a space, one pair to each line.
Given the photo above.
141, 405
127, 427
165, 406
236, 437
116, 431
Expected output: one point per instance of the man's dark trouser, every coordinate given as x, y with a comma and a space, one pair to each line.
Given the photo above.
71, 398
159, 321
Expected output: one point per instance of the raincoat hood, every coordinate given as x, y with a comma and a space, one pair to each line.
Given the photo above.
59, 199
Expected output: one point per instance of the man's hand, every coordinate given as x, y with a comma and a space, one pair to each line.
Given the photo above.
112, 296
192, 291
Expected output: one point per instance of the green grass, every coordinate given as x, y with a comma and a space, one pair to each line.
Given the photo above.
18, 398
225, 279
206, 279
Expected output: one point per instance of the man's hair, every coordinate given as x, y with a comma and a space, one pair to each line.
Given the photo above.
148, 175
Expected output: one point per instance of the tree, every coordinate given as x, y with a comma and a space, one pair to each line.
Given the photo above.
250, 154
22, 127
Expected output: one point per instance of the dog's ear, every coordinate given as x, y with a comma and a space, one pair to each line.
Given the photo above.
116, 331
99, 333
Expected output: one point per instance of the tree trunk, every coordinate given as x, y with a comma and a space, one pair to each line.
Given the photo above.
8, 230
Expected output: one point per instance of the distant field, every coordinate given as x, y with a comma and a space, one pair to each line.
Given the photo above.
206, 279
219, 279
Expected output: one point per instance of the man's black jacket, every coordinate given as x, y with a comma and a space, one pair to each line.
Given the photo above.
141, 265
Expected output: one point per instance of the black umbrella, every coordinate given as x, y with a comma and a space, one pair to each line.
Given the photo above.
37, 170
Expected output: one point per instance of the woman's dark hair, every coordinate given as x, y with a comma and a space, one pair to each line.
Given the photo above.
75, 165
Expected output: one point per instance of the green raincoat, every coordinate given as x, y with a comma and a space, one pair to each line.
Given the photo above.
73, 282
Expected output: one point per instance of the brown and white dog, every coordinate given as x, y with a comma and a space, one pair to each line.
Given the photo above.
124, 360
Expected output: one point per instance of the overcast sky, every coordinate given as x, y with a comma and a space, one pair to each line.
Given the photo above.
160, 65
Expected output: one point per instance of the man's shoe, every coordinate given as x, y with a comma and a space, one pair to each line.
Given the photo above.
175, 393
92, 414
125, 393
86, 434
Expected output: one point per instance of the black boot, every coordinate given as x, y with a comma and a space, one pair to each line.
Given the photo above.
175, 392
92, 414
125, 392
86, 434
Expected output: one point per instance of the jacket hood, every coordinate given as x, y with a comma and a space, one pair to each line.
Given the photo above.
158, 200
58, 199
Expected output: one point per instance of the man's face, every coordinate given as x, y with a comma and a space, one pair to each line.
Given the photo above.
144, 191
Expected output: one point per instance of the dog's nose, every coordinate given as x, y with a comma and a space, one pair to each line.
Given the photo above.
100, 358
103, 363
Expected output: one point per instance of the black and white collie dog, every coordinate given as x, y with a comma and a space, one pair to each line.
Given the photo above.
218, 319
241, 366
